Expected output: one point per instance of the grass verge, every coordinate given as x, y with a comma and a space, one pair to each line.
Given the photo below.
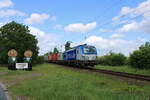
53, 82
127, 69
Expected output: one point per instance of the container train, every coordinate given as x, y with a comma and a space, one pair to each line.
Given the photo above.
78, 56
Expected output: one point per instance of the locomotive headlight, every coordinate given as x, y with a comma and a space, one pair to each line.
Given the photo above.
94, 57
87, 58
83, 57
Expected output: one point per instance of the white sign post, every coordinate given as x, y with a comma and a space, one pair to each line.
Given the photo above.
21, 65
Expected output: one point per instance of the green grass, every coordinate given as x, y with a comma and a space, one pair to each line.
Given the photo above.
127, 69
53, 82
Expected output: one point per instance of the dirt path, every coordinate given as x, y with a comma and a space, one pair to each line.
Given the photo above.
4, 93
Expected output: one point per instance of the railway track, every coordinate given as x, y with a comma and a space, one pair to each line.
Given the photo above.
115, 73
121, 74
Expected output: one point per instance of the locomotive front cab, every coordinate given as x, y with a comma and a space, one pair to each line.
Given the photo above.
89, 53
86, 53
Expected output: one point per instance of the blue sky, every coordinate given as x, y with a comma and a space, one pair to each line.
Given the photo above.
82, 21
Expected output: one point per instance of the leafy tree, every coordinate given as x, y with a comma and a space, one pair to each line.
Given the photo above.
113, 59
55, 50
17, 36
67, 45
141, 58
48, 53
40, 59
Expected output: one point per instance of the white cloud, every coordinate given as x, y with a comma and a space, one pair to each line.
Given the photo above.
6, 3
125, 10
104, 45
116, 35
36, 31
129, 27
139, 39
36, 18
141, 25
11, 12
141, 9
46, 42
144, 26
80, 27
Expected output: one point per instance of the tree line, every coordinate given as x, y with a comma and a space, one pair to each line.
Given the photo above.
138, 59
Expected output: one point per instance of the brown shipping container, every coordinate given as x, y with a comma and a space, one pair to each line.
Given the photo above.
54, 57
50, 57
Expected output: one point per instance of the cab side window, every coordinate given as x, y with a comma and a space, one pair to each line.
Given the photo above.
77, 51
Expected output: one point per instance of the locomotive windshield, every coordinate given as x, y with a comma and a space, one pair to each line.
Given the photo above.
89, 50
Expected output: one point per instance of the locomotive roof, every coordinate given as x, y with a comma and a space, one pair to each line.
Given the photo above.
80, 45
76, 47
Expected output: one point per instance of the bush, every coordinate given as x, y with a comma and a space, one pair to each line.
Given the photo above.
141, 58
113, 59
40, 60
127, 62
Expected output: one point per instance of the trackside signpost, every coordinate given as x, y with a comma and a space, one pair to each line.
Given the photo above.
12, 54
13, 64
21, 65
27, 59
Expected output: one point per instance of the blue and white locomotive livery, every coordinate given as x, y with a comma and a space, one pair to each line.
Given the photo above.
81, 52
78, 56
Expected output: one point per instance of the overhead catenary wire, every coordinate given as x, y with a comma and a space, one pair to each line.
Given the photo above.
108, 9
138, 16
124, 16
106, 12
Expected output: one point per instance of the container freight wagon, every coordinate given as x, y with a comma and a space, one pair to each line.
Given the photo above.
53, 57
60, 56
